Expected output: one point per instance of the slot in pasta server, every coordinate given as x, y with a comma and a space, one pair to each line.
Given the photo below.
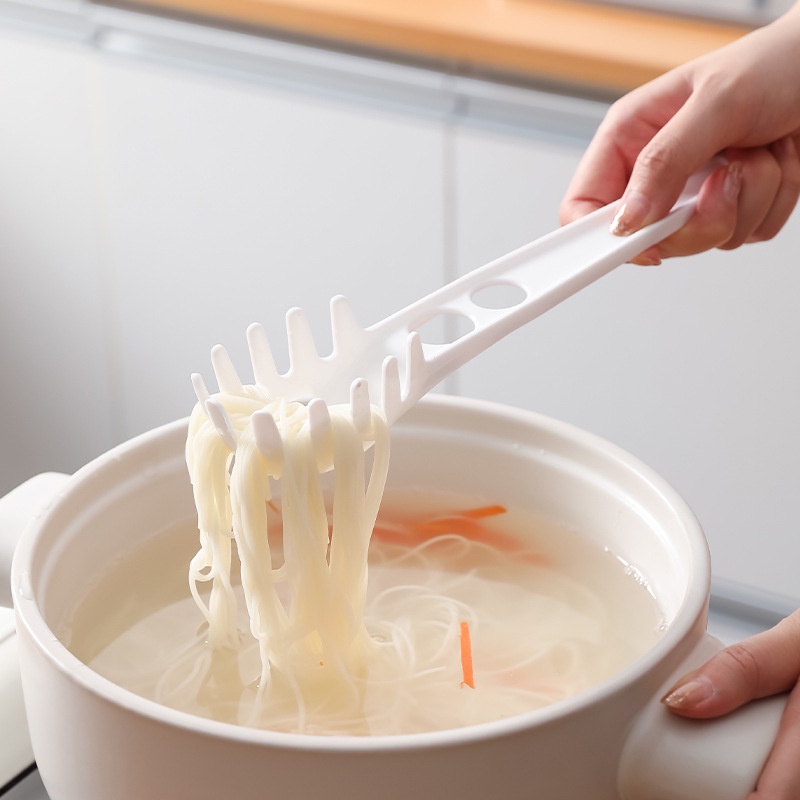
391, 354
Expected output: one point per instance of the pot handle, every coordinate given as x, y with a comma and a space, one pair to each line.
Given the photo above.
17, 510
667, 757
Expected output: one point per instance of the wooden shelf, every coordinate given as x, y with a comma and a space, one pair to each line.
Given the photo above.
594, 46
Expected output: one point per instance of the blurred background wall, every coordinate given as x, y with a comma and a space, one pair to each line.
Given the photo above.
165, 183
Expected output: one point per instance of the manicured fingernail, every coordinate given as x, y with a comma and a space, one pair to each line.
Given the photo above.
733, 181
631, 214
690, 694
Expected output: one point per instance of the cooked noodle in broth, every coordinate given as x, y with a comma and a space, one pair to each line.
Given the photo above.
294, 636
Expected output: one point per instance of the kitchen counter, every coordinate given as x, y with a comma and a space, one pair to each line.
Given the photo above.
575, 44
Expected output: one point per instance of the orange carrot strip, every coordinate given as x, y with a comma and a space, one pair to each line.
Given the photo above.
483, 511
466, 657
459, 525
466, 523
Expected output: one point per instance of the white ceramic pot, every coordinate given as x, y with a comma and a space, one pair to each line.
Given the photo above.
96, 741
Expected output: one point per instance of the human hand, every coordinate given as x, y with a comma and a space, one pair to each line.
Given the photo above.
742, 101
765, 664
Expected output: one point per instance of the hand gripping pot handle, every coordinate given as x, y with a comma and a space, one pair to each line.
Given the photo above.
668, 757
17, 510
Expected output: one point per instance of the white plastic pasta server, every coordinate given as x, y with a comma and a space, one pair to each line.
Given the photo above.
392, 355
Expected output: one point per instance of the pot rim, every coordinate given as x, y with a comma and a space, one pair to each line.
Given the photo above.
692, 609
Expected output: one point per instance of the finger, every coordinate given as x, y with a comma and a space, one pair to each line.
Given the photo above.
712, 223
715, 217
600, 178
762, 665
649, 258
631, 122
733, 207
761, 179
785, 153
693, 136
780, 778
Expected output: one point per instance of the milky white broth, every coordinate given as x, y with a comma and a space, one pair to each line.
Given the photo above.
550, 614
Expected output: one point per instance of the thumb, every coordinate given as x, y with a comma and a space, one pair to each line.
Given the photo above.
685, 143
762, 665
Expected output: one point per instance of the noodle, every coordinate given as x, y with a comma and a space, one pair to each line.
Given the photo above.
542, 629
312, 631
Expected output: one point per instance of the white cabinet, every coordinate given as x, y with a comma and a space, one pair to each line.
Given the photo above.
231, 200
163, 186
693, 366
55, 399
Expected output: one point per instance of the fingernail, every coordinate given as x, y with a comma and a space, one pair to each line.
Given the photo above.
631, 214
733, 181
690, 694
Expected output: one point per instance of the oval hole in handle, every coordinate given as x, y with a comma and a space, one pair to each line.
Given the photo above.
501, 294
445, 328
